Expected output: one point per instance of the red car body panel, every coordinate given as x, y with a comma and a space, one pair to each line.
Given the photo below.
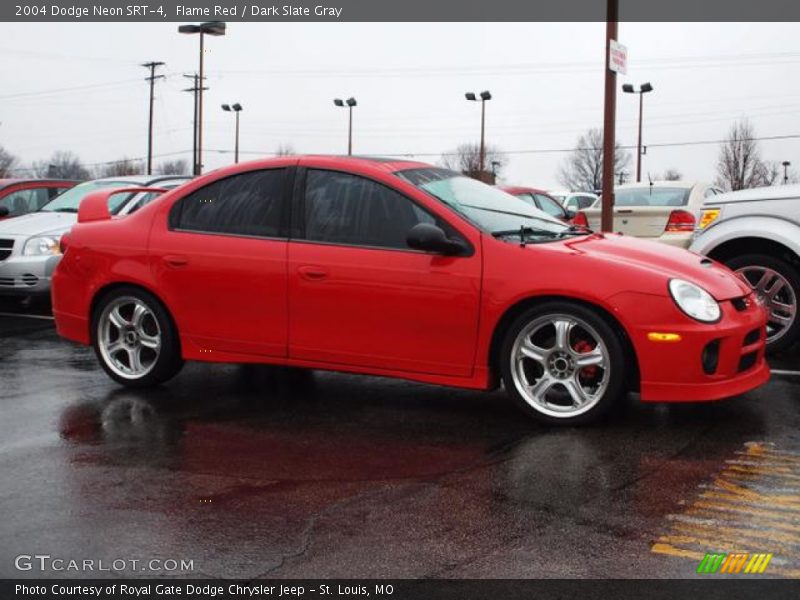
402, 313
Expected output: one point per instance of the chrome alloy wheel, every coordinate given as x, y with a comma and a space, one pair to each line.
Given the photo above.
778, 297
561, 367
129, 337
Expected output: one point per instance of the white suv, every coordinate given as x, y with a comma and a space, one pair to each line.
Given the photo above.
757, 234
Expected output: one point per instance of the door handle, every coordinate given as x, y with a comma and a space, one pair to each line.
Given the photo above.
173, 260
312, 273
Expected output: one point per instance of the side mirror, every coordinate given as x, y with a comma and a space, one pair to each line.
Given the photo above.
431, 238
4, 212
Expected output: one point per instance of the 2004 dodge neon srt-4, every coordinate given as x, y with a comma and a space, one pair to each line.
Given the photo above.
401, 269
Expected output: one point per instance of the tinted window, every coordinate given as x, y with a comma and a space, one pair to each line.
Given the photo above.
346, 209
25, 201
246, 204
527, 198
550, 206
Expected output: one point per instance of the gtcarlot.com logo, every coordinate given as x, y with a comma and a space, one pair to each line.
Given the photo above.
743, 562
46, 562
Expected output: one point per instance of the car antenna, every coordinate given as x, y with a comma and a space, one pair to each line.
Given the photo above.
522, 236
650, 179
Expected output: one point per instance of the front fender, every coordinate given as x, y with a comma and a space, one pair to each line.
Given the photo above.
774, 229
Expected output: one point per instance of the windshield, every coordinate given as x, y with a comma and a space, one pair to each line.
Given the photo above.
651, 196
71, 199
487, 207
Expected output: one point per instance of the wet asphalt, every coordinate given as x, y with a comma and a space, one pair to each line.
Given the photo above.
252, 471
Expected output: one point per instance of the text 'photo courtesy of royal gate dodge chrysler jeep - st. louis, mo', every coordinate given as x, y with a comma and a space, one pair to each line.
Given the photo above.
400, 269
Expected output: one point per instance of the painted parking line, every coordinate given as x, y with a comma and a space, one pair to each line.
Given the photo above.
43, 317
784, 372
752, 507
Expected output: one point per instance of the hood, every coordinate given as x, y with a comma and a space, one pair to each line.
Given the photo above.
38, 223
667, 261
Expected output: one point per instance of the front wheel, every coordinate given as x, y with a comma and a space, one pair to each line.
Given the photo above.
562, 363
777, 283
134, 338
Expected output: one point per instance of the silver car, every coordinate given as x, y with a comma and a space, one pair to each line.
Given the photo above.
29, 244
757, 234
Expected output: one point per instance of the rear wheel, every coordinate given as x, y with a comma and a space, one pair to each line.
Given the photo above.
562, 363
778, 284
134, 338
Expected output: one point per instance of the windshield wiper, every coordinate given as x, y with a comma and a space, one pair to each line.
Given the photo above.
576, 230
62, 210
523, 231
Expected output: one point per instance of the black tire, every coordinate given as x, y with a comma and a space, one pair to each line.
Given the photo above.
614, 375
165, 365
788, 335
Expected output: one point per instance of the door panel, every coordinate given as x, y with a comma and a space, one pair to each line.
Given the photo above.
390, 309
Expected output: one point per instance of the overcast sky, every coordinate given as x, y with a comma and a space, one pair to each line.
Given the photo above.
409, 79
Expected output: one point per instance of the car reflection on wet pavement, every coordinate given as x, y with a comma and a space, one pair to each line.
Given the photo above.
255, 471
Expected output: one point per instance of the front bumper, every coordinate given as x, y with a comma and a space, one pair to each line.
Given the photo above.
710, 362
27, 275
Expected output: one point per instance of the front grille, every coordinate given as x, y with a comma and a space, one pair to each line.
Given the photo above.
740, 304
6, 246
752, 337
29, 279
6, 281
747, 361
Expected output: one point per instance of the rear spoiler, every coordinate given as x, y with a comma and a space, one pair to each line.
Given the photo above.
95, 206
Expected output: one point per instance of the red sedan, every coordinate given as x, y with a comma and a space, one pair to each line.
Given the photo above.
401, 269
22, 196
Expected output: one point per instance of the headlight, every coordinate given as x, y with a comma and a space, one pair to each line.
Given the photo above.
41, 246
694, 301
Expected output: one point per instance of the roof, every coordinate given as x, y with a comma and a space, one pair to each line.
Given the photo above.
142, 179
390, 164
521, 189
7, 182
775, 192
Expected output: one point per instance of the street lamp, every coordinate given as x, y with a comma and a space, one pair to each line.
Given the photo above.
643, 89
350, 102
236, 108
786, 164
215, 28
484, 96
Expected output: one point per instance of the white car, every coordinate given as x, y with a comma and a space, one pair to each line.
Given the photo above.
29, 244
662, 211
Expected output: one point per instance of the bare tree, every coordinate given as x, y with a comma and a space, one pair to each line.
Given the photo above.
121, 168
62, 164
173, 167
671, 174
466, 159
285, 149
739, 165
7, 162
582, 170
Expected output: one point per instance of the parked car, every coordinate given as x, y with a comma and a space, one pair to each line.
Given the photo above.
401, 269
29, 248
662, 211
541, 200
757, 234
580, 201
21, 196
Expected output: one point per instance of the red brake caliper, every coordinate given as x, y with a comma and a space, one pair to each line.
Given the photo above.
582, 347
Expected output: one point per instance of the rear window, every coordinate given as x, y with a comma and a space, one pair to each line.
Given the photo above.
652, 196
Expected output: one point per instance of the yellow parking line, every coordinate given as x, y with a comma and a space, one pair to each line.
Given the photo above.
776, 520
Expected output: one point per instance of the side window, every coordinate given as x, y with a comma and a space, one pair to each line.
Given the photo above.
710, 193
245, 204
346, 209
585, 202
550, 206
53, 192
527, 198
25, 201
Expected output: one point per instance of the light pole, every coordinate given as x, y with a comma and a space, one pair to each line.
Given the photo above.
786, 164
216, 28
236, 108
152, 65
350, 102
643, 89
484, 96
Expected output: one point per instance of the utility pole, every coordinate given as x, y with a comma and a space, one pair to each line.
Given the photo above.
152, 79
194, 90
609, 118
